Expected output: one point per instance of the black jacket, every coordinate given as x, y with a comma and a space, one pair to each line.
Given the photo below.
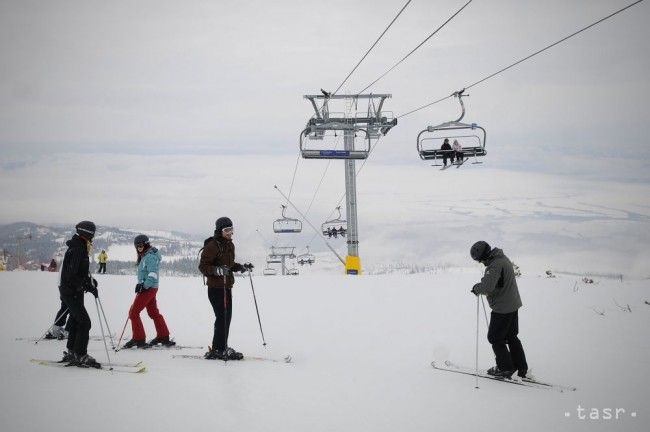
74, 270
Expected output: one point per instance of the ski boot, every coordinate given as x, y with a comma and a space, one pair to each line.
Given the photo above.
231, 354
496, 372
68, 357
135, 343
164, 341
85, 361
56, 332
215, 354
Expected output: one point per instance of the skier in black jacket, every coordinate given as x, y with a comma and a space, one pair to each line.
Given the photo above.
75, 280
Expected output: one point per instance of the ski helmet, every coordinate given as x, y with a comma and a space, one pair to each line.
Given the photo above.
140, 240
86, 229
221, 223
480, 251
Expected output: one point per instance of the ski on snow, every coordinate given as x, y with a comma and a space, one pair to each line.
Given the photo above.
115, 367
42, 339
161, 347
285, 359
527, 382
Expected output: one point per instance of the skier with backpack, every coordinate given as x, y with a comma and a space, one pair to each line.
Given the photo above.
217, 264
146, 289
75, 281
500, 287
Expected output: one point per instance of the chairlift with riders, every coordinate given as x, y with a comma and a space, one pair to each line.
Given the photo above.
335, 227
306, 258
471, 136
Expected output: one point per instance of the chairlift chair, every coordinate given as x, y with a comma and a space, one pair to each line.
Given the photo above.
306, 258
286, 224
429, 147
269, 271
280, 251
335, 227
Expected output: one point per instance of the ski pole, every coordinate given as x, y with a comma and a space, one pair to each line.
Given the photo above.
256, 308
52, 326
225, 317
117, 348
487, 324
101, 326
477, 313
110, 335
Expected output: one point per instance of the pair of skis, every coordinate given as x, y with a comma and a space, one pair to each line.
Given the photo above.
448, 366
113, 367
285, 359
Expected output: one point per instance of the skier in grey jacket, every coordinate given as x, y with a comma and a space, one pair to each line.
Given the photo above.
500, 287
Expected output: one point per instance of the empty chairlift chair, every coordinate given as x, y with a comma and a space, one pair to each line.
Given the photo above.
286, 225
269, 271
471, 136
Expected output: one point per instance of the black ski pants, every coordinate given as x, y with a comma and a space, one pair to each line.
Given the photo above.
447, 155
507, 347
61, 315
102, 268
79, 324
223, 315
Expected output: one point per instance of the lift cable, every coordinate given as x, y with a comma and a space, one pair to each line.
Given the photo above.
525, 58
370, 49
416, 48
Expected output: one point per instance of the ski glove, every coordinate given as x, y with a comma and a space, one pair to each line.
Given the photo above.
221, 271
139, 288
473, 290
91, 287
248, 266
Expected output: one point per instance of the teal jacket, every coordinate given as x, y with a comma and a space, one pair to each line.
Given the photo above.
149, 268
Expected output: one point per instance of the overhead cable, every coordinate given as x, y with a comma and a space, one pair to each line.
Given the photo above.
525, 58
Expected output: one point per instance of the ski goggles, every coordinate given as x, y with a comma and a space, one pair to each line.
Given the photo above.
228, 230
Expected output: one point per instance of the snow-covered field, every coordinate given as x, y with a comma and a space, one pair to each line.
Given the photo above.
361, 349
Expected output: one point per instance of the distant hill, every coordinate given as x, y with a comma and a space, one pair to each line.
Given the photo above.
28, 245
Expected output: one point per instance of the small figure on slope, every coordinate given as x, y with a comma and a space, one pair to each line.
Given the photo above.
103, 259
500, 287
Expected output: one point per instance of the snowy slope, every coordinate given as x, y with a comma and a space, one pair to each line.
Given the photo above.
361, 348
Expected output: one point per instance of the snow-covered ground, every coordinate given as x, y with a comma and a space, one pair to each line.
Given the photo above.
361, 349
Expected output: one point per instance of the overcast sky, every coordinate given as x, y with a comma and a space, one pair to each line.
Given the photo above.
201, 80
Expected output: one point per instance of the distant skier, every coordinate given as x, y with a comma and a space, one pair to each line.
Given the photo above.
75, 280
217, 264
458, 151
103, 259
500, 287
447, 152
52, 267
146, 290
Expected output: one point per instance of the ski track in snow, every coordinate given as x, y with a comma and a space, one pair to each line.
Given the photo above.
361, 349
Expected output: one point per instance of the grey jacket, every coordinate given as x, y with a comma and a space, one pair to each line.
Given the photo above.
499, 284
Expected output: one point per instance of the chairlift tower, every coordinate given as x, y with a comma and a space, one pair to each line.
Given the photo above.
279, 254
373, 123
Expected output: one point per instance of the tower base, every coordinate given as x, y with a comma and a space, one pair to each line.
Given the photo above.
352, 265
